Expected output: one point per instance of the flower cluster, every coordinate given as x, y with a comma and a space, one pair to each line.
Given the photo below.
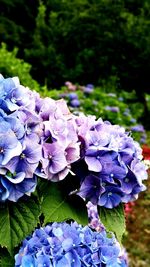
139, 130
18, 160
62, 244
73, 100
72, 97
93, 217
113, 109
110, 168
37, 138
41, 138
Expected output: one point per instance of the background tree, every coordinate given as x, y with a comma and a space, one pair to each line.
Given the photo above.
85, 41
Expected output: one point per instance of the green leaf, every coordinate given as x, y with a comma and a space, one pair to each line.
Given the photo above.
113, 220
5, 259
17, 220
57, 206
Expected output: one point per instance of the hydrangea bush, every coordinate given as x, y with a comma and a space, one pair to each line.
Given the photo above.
64, 160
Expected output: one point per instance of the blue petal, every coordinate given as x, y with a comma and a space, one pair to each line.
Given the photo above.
10, 153
27, 261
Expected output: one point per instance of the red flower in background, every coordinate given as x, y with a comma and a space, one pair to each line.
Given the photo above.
146, 152
128, 209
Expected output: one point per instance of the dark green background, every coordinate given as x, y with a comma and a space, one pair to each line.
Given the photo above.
85, 41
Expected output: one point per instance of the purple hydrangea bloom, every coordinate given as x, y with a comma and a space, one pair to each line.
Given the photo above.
54, 160
115, 170
88, 89
98, 159
112, 109
111, 197
138, 128
72, 96
94, 220
64, 245
91, 188
41, 137
75, 103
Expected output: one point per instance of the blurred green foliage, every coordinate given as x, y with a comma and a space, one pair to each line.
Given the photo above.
10, 65
81, 40
89, 41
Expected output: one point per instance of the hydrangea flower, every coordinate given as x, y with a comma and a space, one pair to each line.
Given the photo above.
138, 128
38, 137
72, 96
114, 170
9, 144
64, 245
71, 86
113, 109
41, 137
75, 103
88, 89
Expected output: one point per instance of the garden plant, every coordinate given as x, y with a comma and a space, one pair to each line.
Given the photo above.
64, 179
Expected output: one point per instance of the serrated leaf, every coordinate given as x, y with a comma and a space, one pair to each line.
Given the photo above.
113, 220
17, 220
58, 207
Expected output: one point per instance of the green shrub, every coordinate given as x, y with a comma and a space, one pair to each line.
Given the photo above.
10, 66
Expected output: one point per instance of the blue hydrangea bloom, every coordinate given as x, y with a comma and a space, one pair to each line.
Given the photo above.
69, 245
74, 103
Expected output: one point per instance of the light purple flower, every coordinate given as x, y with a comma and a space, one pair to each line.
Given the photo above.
54, 159
138, 168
